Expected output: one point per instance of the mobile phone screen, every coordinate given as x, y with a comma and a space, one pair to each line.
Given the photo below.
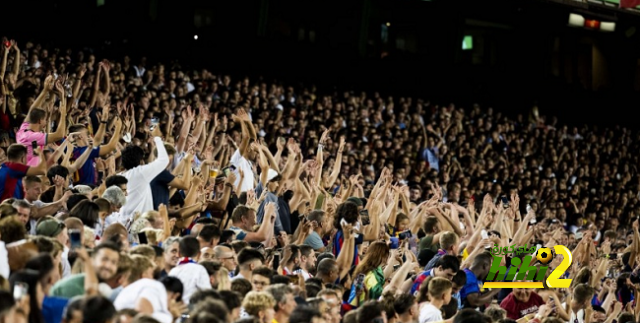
74, 237
142, 237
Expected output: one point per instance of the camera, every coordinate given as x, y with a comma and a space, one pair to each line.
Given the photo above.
404, 235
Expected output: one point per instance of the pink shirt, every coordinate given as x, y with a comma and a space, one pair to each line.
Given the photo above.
25, 136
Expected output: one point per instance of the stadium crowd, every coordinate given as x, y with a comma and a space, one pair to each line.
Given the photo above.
142, 192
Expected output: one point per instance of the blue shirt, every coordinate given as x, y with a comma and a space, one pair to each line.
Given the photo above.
53, 308
470, 287
87, 174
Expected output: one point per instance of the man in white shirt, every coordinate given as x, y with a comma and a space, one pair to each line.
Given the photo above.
243, 156
307, 261
142, 293
140, 198
192, 275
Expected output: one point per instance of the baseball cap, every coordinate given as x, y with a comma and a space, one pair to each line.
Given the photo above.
49, 227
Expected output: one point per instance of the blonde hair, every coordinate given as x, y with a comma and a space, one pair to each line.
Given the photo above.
438, 286
254, 302
88, 237
448, 239
222, 277
139, 264
143, 250
154, 236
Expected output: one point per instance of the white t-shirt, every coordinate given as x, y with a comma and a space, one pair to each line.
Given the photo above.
140, 198
151, 290
429, 313
193, 277
242, 163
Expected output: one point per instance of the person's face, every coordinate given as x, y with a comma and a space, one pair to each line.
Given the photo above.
33, 191
447, 273
403, 225
23, 214
334, 307
82, 138
259, 283
522, 294
228, 260
288, 306
206, 254
105, 263
123, 187
273, 186
309, 261
249, 220
63, 237
267, 315
171, 256
235, 314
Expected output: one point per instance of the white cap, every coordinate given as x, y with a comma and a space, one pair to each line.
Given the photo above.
271, 174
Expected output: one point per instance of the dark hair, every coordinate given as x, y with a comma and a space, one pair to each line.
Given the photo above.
264, 271
209, 232
201, 295
36, 115
211, 266
115, 180
12, 230
205, 221
86, 211
209, 311
304, 314
97, 309
240, 285
173, 284
316, 215
279, 279
249, 254
326, 266
369, 311
189, 247
448, 262
76, 127
57, 170
6, 302
403, 303
132, 156
469, 315
16, 152
347, 211
312, 289
460, 278
232, 299
43, 264
75, 199
74, 305
305, 250
32, 279
226, 236
106, 245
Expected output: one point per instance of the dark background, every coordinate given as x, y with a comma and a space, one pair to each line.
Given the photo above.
524, 53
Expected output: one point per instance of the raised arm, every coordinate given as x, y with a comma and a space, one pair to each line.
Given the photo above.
47, 89
41, 169
267, 225
61, 130
113, 142
77, 164
336, 166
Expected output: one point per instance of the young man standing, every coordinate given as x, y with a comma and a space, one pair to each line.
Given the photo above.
15, 168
